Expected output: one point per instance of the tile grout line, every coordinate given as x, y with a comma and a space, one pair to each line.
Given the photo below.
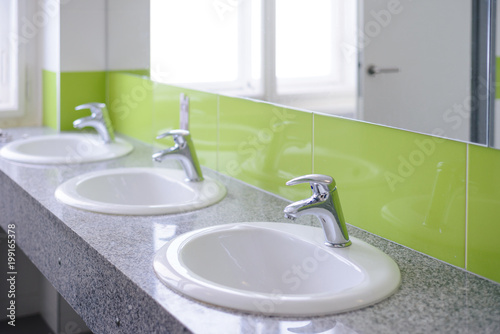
466, 200
217, 134
312, 145
58, 99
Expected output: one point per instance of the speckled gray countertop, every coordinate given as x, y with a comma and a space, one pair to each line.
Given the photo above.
102, 264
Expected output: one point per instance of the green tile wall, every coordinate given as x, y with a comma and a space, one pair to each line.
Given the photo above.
130, 103
49, 97
403, 186
78, 88
265, 145
483, 223
407, 187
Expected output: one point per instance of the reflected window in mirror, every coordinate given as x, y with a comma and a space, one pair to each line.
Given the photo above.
395, 63
10, 60
323, 33
298, 55
213, 46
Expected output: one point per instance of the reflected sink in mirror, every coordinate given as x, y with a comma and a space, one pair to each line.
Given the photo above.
139, 191
275, 269
64, 148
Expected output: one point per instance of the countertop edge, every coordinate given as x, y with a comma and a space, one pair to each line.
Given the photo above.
63, 257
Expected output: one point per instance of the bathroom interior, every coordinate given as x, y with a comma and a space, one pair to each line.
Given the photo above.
388, 105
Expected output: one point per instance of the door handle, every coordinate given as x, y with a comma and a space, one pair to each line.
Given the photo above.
374, 70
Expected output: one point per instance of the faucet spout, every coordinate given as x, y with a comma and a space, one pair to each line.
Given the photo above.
325, 205
184, 151
296, 209
166, 154
81, 122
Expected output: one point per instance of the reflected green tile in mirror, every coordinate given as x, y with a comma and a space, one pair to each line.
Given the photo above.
483, 223
49, 92
78, 88
202, 119
407, 187
130, 100
265, 145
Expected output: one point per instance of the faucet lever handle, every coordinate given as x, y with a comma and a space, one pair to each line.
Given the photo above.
320, 184
178, 135
96, 108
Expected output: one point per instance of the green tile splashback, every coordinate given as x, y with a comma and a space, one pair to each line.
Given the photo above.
483, 222
406, 187
78, 88
265, 145
49, 96
130, 102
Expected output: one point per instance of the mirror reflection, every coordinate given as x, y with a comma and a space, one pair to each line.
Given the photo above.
281, 53
392, 62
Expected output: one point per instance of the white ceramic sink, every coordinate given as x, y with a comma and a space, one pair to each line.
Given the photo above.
64, 148
275, 269
139, 191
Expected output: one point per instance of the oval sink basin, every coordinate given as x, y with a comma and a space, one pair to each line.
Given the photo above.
275, 269
139, 191
64, 148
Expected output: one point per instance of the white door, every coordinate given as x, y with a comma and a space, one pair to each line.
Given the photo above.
423, 51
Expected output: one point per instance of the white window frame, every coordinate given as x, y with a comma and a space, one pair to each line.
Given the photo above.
17, 109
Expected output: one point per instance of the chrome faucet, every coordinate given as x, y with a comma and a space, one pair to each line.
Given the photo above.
98, 119
325, 205
184, 151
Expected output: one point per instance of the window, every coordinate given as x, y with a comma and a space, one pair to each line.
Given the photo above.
9, 59
315, 37
205, 44
226, 46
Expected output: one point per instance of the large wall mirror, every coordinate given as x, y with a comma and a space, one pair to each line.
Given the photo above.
424, 66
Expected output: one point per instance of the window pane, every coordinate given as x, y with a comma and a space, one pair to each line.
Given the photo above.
202, 48
256, 38
303, 32
8, 56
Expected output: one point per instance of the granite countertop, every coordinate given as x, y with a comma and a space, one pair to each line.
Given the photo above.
103, 264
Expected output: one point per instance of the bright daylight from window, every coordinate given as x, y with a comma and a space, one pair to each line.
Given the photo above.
304, 32
8, 56
221, 46
205, 44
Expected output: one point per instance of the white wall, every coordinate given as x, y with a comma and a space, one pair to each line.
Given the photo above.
430, 42
49, 36
83, 36
128, 35
48, 303
99, 35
